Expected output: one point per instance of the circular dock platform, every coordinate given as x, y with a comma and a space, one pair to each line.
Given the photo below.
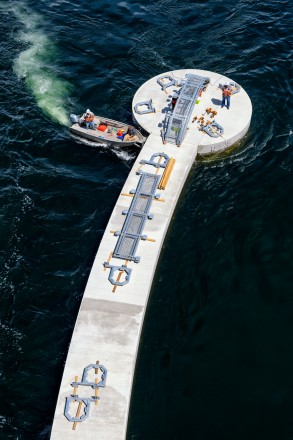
235, 121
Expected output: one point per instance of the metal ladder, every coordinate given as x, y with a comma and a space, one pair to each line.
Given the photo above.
178, 120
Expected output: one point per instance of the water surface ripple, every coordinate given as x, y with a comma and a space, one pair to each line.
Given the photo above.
215, 358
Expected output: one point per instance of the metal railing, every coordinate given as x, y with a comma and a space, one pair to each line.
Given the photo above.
178, 120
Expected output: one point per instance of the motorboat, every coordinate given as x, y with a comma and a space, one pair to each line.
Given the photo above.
107, 131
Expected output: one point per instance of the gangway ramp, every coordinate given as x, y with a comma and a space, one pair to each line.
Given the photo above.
178, 120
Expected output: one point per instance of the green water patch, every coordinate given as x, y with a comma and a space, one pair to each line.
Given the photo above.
36, 65
223, 154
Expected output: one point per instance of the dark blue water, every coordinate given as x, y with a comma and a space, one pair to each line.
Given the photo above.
215, 359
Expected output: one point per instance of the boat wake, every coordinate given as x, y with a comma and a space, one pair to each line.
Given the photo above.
120, 153
35, 64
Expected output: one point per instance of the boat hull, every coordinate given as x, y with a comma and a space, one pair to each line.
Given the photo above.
108, 137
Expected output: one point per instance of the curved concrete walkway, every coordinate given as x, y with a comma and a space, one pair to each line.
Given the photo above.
110, 318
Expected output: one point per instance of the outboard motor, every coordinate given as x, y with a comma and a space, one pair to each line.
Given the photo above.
73, 119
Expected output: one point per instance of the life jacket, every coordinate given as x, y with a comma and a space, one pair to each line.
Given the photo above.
89, 118
226, 92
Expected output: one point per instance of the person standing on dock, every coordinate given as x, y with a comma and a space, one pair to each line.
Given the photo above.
226, 93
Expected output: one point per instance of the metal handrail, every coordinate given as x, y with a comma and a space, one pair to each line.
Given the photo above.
178, 121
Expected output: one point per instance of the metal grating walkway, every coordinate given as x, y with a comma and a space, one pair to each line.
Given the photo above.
178, 121
136, 216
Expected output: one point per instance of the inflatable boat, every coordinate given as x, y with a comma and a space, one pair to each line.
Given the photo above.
107, 131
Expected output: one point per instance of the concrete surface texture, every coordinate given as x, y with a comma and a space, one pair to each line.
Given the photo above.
235, 121
110, 318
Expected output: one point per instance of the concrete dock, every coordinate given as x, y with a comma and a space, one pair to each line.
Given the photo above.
107, 331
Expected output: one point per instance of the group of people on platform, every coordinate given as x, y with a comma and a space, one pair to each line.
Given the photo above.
226, 93
130, 136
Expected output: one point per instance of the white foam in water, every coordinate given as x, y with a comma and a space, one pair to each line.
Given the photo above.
36, 65
121, 154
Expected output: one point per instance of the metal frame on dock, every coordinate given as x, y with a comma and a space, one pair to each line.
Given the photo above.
178, 121
138, 213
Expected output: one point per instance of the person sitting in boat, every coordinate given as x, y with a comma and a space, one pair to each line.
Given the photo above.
130, 135
89, 119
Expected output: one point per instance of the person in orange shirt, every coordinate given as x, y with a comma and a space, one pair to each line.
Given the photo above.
89, 119
226, 93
